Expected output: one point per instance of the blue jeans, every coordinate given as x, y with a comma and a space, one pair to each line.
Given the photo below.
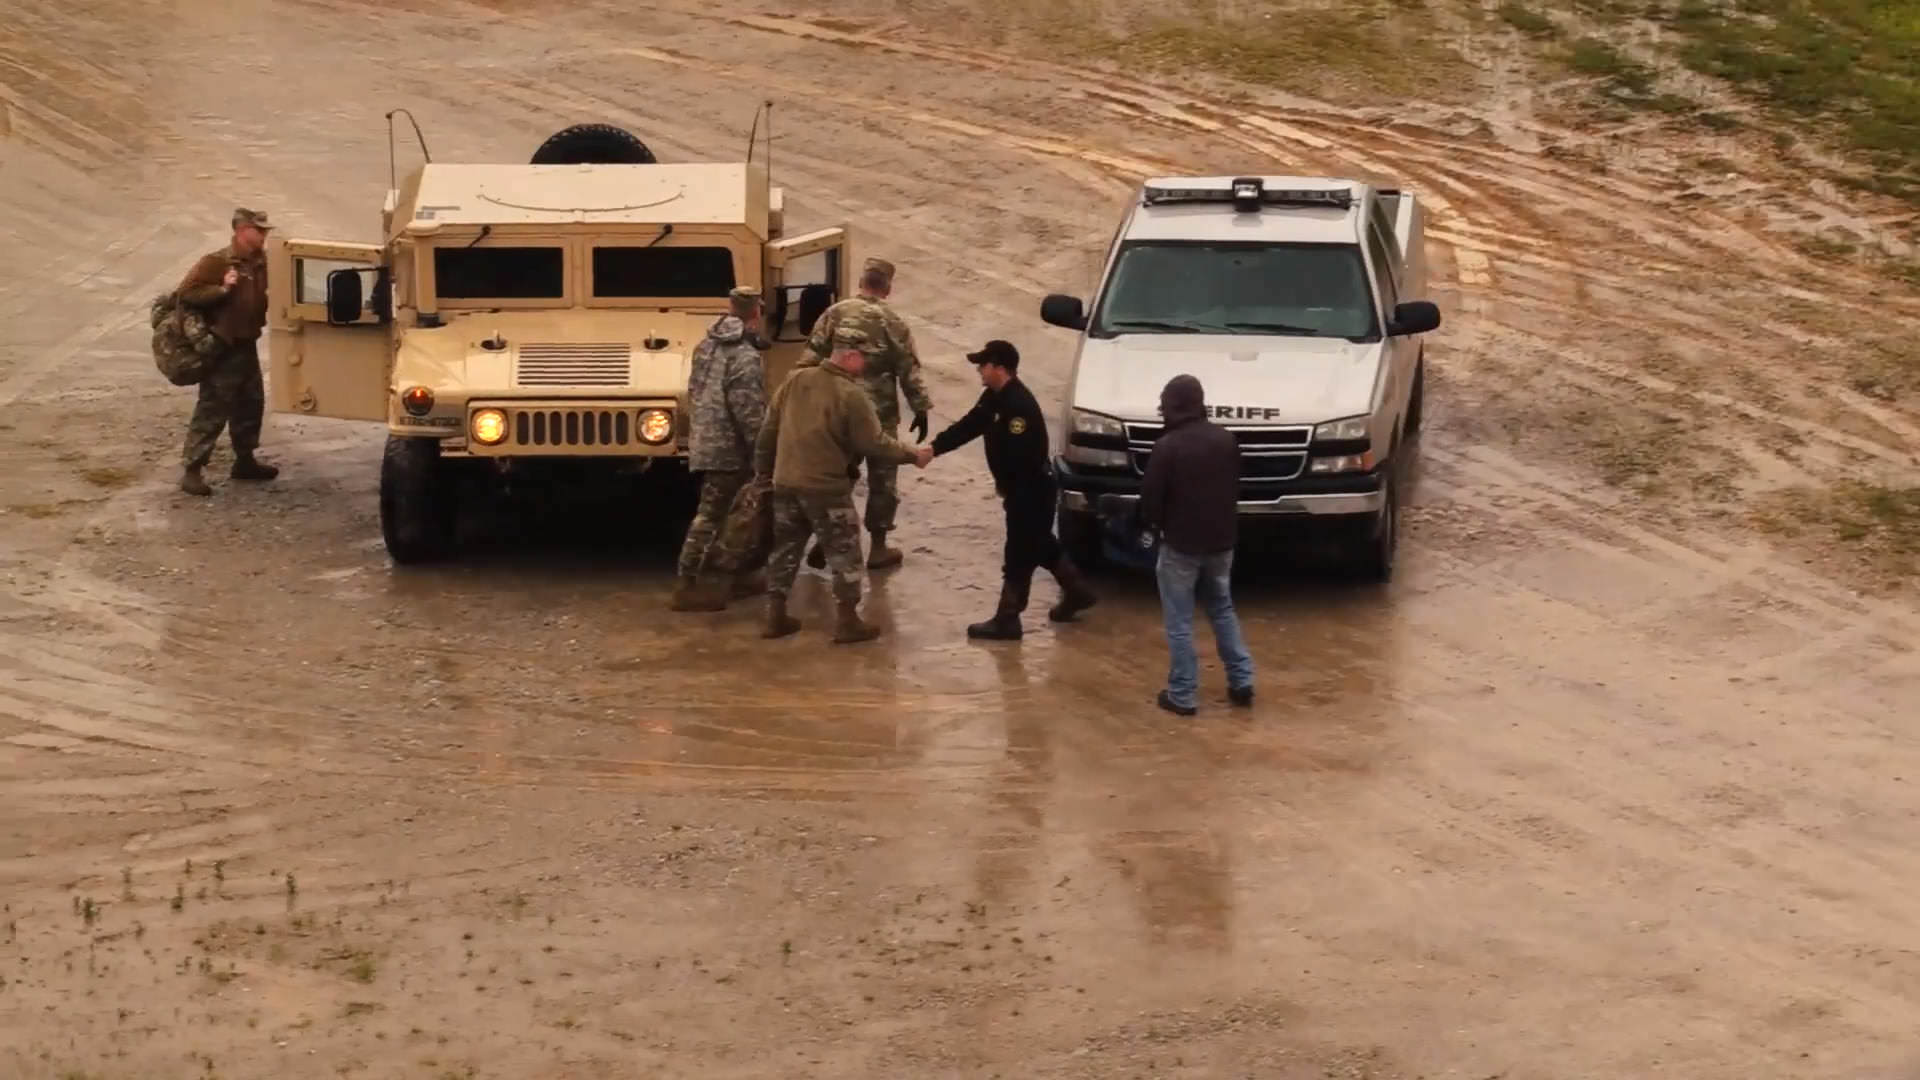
1182, 578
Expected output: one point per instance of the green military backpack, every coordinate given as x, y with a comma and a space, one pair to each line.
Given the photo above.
183, 344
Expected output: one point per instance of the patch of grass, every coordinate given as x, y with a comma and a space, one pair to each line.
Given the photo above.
1879, 522
1885, 370
1380, 50
108, 477
1625, 79
1853, 63
1826, 247
1528, 21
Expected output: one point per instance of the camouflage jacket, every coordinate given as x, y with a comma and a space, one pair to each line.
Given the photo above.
727, 390
891, 370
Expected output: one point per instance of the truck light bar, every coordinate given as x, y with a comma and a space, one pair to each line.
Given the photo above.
1248, 194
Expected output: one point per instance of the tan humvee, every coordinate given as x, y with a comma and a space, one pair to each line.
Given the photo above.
516, 316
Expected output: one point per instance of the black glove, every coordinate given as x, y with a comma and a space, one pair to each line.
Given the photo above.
853, 471
919, 426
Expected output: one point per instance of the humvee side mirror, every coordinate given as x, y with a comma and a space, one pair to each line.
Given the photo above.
1066, 311
345, 301
1413, 317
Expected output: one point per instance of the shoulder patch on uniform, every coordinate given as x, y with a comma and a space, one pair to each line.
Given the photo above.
1017, 425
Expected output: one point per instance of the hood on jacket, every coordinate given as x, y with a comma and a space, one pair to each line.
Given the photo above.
727, 329
1182, 400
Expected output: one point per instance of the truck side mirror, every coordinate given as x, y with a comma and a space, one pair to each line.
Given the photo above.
1065, 311
345, 301
1414, 317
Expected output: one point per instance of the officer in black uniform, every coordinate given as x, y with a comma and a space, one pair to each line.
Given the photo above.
1016, 437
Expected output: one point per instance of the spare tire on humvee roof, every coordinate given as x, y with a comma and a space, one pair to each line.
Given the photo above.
593, 144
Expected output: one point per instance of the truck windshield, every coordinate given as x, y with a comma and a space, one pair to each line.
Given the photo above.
1313, 290
662, 271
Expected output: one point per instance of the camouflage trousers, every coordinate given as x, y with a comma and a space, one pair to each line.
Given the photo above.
883, 494
718, 490
798, 514
233, 397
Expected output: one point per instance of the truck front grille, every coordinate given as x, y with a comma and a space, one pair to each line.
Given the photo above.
573, 363
1266, 453
572, 427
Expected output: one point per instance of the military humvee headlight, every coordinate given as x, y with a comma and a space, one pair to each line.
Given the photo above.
656, 426
489, 427
418, 400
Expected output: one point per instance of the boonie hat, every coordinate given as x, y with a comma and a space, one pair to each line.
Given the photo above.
255, 218
997, 352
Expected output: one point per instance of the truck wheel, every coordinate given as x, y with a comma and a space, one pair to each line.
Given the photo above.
1418, 398
1381, 543
416, 503
593, 144
1080, 536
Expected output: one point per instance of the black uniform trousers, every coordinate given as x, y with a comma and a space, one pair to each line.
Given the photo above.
1031, 545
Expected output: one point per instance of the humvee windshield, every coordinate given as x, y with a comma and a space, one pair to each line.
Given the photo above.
539, 273
1311, 290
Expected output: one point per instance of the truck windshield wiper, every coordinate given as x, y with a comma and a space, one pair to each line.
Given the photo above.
1272, 328
1169, 327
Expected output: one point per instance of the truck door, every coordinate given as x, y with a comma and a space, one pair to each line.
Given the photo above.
805, 275
321, 367
1402, 352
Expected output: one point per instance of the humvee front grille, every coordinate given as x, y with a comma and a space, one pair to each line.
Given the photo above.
574, 363
573, 427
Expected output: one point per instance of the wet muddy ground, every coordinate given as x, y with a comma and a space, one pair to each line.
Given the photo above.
1603, 785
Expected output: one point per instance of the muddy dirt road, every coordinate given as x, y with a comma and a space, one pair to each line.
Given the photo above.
1600, 787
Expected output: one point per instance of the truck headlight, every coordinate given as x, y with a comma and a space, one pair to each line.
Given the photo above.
1087, 455
489, 427
1092, 423
1342, 463
656, 426
1348, 430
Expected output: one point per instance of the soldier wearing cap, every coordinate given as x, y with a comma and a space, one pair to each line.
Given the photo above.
893, 367
230, 286
1009, 419
819, 425
727, 392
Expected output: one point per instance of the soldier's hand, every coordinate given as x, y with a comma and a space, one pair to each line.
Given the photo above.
919, 426
923, 457
232, 278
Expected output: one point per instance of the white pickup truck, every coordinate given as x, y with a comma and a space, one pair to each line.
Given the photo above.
1296, 303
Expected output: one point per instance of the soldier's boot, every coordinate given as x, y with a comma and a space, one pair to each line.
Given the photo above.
817, 558
751, 583
694, 594
779, 623
1005, 623
883, 556
1075, 597
248, 467
193, 483
850, 628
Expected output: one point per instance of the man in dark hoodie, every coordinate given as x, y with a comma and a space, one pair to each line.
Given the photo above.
1190, 498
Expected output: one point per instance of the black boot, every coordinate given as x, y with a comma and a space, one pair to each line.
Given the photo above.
1005, 624
1075, 597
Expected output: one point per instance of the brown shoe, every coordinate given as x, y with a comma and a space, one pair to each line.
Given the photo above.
193, 483
694, 594
851, 628
246, 467
1075, 597
883, 556
779, 623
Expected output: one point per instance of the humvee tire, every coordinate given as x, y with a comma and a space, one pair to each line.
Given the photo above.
416, 501
593, 144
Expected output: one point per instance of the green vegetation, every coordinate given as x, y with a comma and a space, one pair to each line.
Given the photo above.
1852, 63
1527, 21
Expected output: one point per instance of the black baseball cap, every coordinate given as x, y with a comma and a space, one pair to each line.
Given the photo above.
997, 352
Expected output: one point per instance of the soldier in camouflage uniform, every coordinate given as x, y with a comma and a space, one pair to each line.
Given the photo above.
230, 287
892, 368
728, 394
819, 425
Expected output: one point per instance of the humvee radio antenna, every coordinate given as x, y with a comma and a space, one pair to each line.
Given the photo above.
766, 107
393, 179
